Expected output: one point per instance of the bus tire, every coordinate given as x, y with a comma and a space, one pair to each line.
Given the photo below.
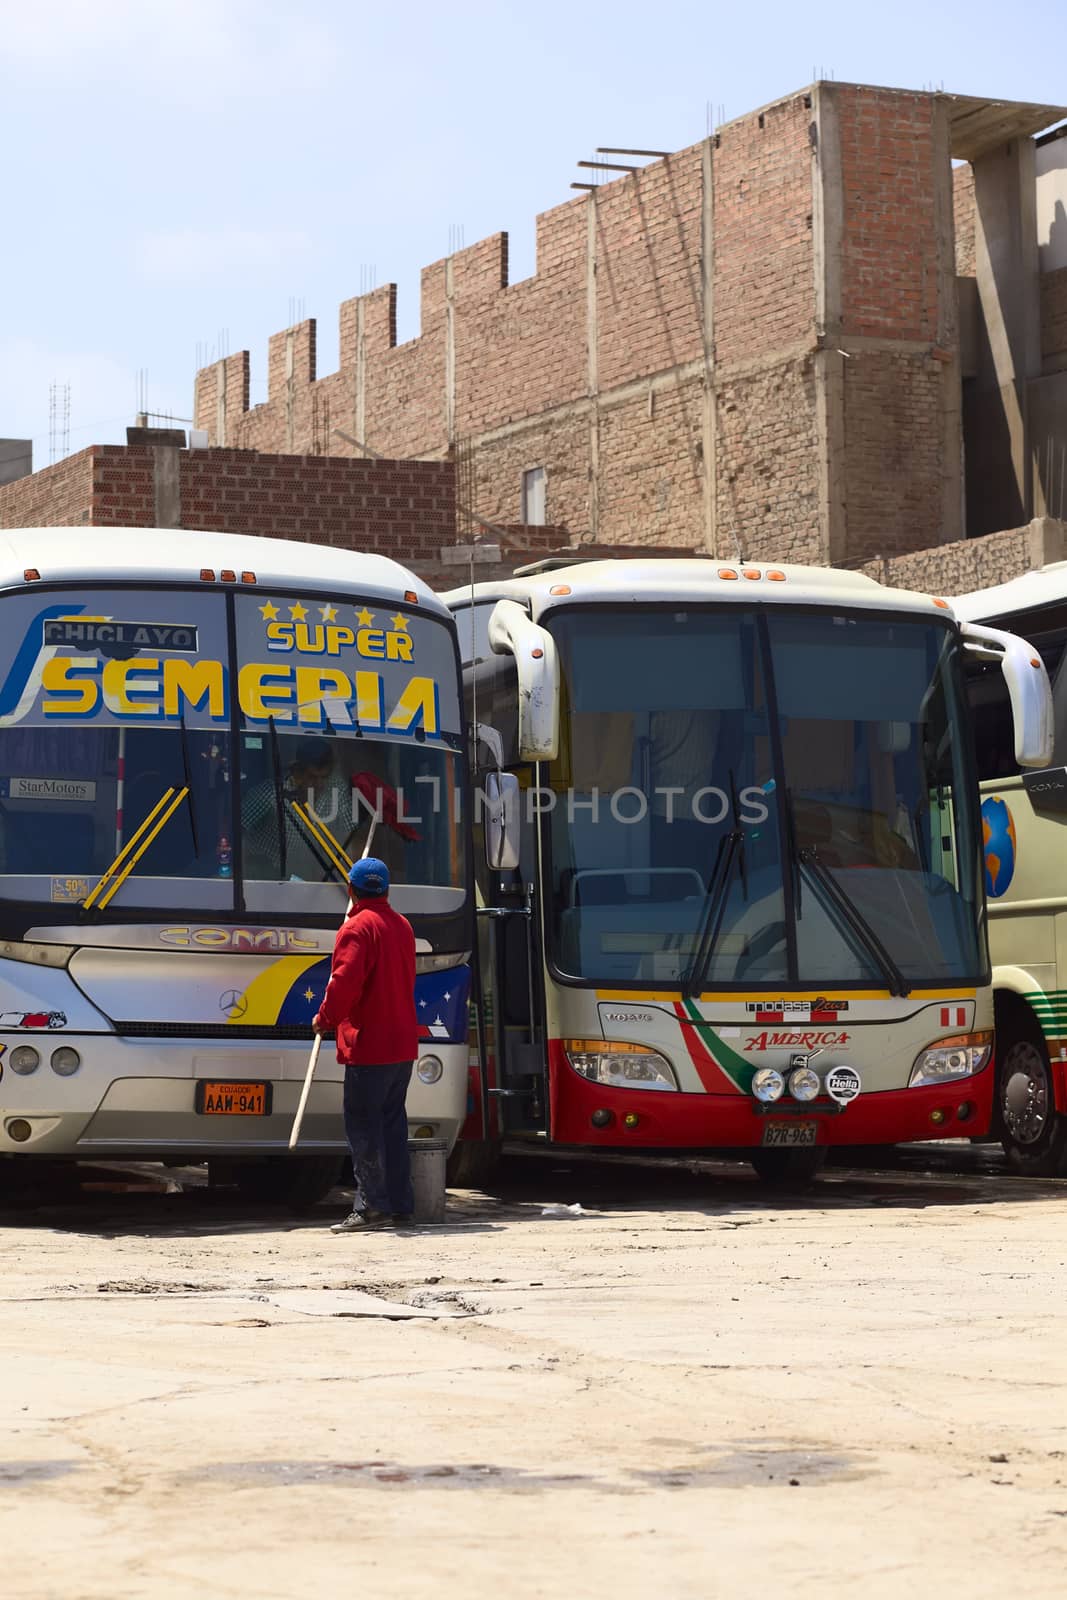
786, 1168
296, 1182
1032, 1132
473, 1163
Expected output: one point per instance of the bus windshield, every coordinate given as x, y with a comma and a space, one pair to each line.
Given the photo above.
155, 755
748, 797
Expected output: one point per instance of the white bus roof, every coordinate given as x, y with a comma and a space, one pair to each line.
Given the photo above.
659, 579
1042, 587
176, 555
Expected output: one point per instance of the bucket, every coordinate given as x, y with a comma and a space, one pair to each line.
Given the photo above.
428, 1178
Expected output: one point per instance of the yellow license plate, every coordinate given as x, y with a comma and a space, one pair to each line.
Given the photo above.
233, 1099
789, 1134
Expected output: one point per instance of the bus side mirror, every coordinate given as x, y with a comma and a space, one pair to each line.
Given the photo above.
502, 821
1028, 688
512, 633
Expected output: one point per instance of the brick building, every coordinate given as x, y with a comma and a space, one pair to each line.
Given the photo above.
402, 509
808, 337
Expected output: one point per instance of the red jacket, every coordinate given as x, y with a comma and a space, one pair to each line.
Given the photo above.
370, 998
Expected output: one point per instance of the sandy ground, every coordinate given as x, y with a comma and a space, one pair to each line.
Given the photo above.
697, 1389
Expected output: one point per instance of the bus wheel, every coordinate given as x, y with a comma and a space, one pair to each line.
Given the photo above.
785, 1167
1033, 1133
473, 1163
298, 1182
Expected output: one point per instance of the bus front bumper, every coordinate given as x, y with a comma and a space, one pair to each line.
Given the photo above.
669, 1120
138, 1099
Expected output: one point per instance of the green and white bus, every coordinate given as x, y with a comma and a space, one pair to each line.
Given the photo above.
1024, 833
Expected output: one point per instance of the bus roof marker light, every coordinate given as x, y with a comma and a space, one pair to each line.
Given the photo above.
227, 575
942, 604
248, 577
775, 576
560, 588
727, 572
537, 654
411, 597
31, 575
751, 572
207, 575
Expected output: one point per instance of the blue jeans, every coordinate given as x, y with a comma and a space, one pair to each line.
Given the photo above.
376, 1127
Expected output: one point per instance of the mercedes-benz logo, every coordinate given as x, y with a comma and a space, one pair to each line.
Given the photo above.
234, 1003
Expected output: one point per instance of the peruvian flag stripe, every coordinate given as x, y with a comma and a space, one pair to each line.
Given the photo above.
953, 1016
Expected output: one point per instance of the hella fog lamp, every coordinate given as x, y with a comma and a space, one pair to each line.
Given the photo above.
768, 1084
620, 1065
804, 1084
24, 1059
961, 1056
429, 1068
65, 1061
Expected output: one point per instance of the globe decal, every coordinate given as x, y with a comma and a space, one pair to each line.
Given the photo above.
998, 846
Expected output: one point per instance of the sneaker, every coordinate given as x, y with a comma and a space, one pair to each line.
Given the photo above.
359, 1221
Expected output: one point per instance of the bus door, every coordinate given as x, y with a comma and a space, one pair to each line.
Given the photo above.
509, 955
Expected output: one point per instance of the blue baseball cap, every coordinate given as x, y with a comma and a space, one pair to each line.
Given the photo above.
369, 878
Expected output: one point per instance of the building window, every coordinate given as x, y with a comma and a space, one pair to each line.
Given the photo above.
533, 497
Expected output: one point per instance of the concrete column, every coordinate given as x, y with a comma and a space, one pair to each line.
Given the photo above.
827, 223
166, 477
220, 402
592, 368
709, 419
948, 334
360, 418
1010, 347
450, 353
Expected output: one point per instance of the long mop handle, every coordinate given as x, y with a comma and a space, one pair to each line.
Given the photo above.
299, 1118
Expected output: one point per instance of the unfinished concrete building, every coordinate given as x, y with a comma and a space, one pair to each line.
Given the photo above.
809, 337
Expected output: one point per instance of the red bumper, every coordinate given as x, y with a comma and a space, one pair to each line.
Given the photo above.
667, 1120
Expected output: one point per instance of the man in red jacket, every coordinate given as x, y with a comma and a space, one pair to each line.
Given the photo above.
370, 1003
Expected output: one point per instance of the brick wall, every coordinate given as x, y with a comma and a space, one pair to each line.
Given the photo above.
58, 496
960, 567
402, 509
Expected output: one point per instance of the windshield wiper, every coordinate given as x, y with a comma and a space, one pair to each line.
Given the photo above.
131, 853
850, 913
731, 855
326, 846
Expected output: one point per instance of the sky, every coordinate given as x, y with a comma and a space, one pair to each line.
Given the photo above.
186, 177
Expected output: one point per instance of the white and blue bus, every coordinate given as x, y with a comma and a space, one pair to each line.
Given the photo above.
198, 733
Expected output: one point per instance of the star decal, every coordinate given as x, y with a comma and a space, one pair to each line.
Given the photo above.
422, 1004
309, 995
447, 995
298, 612
328, 613
365, 618
400, 623
268, 612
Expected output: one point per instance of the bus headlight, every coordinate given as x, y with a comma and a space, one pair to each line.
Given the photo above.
959, 1057
24, 1059
620, 1065
804, 1084
429, 1069
65, 1061
768, 1084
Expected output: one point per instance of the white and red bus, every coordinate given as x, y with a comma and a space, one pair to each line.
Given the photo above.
730, 887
